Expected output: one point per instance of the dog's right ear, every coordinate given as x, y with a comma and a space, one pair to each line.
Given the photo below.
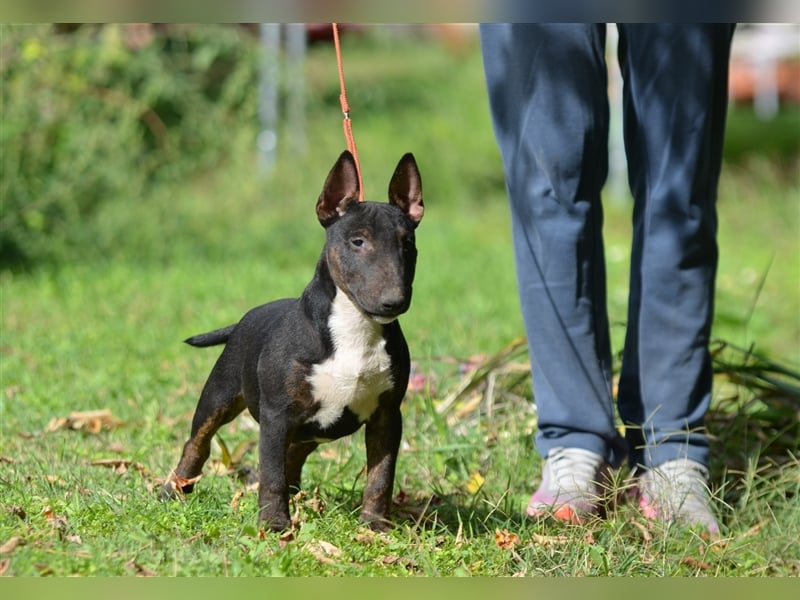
340, 190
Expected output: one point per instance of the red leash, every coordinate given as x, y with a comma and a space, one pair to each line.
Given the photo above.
348, 129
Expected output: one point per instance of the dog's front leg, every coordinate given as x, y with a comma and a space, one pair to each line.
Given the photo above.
273, 490
383, 432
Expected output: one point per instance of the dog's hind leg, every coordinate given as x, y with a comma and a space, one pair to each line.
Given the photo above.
220, 402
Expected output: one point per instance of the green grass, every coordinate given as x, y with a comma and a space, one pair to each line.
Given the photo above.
104, 334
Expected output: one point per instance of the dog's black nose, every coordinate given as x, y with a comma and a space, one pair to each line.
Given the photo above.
393, 307
394, 304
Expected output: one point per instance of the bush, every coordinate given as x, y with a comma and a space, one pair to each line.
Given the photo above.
92, 116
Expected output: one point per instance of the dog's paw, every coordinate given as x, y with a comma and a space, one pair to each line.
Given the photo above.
276, 524
377, 523
176, 487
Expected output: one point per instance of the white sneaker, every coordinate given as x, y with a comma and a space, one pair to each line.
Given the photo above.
573, 485
677, 490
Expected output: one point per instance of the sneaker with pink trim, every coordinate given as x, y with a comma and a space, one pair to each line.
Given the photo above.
574, 485
677, 491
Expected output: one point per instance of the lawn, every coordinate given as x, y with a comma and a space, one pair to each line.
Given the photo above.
97, 390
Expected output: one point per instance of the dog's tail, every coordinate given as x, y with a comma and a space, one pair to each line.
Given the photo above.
212, 338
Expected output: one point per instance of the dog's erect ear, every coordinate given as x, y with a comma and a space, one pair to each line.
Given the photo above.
405, 188
340, 190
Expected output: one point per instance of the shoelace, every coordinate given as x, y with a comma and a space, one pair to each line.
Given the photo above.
681, 484
573, 467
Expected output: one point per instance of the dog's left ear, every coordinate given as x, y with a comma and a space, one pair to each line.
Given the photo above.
405, 188
340, 190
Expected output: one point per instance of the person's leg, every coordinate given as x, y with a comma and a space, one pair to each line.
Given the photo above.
675, 101
548, 97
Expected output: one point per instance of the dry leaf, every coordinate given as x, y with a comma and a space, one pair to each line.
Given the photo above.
9, 546
367, 536
316, 503
646, 535
505, 539
323, 551
389, 560
18, 511
55, 424
120, 465
54, 519
549, 540
138, 569
7, 459
92, 421
236, 497
694, 563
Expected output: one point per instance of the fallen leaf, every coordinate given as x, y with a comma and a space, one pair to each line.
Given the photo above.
694, 563
92, 421
367, 536
475, 483
316, 503
57, 521
236, 497
549, 540
389, 560
120, 465
755, 529
646, 535
9, 546
7, 460
18, 511
505, 539
55, 424
323, 551
139, 570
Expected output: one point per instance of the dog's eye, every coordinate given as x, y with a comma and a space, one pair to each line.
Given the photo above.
357, 242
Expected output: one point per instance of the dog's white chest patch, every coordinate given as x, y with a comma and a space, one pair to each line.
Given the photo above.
358, 371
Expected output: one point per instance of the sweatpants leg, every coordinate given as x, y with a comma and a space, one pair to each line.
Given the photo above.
548, 97
675, 99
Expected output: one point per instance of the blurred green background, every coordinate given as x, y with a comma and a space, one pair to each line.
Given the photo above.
136, 146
